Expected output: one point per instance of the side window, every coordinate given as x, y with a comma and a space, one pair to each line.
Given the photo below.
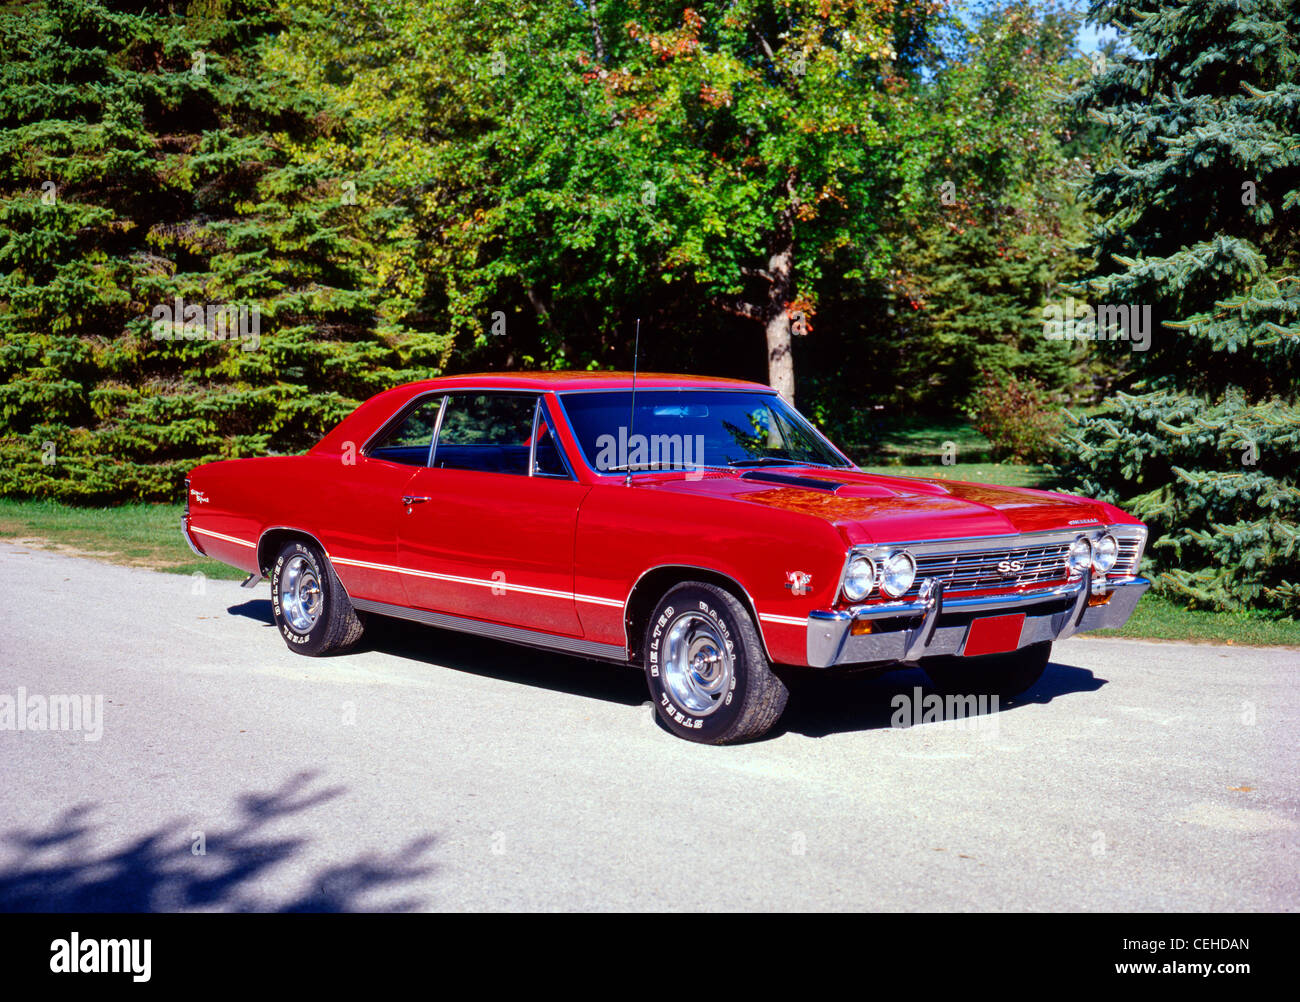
408, 440
548, 462
487, 432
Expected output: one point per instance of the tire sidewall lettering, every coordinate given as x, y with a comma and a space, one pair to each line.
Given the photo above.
286, 631
675, 717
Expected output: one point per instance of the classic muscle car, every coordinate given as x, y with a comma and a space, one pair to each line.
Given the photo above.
699, 529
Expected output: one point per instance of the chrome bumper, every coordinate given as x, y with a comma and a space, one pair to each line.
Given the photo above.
185, 531
830, 641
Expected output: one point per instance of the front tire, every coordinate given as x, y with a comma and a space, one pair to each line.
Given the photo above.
311, 608
708, 674
1003, 675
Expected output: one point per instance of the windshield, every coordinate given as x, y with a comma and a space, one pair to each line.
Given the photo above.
689, 429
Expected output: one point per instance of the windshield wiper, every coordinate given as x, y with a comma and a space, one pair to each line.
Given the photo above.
768, 460
657, 467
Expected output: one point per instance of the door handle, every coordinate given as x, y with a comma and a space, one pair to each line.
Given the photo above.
408, 500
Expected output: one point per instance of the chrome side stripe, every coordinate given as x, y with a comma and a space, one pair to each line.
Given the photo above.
497, 631
611, 603
480, 582
218, 535
784, 620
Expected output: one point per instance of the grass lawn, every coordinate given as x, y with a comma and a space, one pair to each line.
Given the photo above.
1157, 618
149, 535
918, 447
1004, 474
141, 535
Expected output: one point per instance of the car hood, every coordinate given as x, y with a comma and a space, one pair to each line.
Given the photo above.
868, 508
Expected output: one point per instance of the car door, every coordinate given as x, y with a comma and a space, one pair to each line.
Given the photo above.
360, 518
489, 531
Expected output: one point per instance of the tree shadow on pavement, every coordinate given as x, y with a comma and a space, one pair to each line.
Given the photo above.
822, 704
74, 864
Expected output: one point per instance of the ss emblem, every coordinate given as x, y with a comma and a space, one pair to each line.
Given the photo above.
1011, 567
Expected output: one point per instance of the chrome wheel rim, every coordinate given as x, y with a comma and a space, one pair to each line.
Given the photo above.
300, 594
697, 668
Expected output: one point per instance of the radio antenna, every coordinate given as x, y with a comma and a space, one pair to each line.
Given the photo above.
631, 421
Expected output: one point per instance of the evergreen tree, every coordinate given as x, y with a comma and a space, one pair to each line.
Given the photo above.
1201, 222
148, 153
997, 232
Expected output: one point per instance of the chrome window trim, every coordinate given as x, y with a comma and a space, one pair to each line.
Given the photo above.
543, 413
437, 428
764, 391
405, 410
410, 406
532, 436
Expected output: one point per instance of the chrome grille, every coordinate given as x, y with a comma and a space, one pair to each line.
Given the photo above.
964, 570
1130, 549
972, 565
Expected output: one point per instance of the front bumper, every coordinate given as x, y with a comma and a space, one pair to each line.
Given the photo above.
934, 625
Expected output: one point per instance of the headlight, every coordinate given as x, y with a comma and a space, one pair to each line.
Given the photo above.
1080, 555
860, 578
1104, 552
897, 574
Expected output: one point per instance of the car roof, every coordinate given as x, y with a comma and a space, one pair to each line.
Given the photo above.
560, 382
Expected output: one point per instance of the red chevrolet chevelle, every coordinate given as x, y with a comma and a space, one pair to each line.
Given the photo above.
700, 529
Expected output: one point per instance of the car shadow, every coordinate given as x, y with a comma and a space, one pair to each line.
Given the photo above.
475, 655
466, 652
64, 866
258, 609
822, 704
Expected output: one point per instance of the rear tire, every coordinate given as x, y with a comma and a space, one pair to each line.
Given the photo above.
708, 674
1004, 675
311, 608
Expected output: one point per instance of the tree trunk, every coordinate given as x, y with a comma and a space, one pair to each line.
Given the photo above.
780, 363
776, 315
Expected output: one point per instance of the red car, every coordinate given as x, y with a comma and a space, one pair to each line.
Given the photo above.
700, 529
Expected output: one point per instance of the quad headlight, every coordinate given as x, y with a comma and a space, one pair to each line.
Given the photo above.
1104, 552
1080, 555
897, 573
859, 578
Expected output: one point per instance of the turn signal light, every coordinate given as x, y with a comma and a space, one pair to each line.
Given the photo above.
1100, 599
861, 627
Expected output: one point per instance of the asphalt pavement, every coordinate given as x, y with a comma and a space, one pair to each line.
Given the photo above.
433, 770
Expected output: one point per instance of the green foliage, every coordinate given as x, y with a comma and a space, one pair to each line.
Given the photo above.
147, 155
1200, 219
1018, 418
994, 234
573, 166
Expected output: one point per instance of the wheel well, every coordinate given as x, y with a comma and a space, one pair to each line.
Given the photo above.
273, 539
655, 584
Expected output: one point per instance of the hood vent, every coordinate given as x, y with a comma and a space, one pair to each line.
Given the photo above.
790, 480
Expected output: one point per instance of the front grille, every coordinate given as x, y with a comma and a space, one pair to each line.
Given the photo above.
1041, 565
1130, 548
967, 571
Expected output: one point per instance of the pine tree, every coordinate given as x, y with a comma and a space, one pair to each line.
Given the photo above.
996, 236
1201, 221
148, 154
